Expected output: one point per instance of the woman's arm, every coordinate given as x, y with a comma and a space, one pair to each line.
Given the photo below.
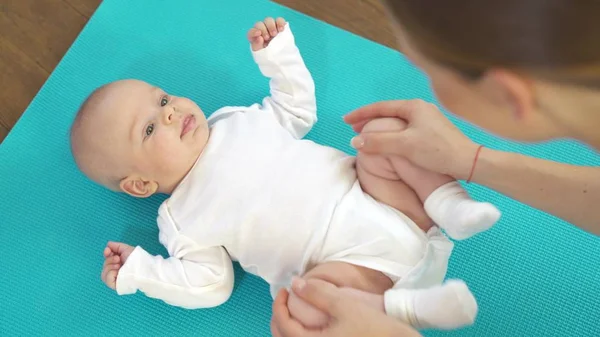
433, 142
567, 191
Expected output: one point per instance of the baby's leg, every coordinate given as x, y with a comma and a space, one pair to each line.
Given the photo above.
365, 284
445, 201
379, 179
447, 306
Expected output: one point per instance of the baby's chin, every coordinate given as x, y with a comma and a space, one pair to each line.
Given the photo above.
199, 144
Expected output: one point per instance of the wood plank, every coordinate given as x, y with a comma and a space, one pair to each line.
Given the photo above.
20, 79
84, 7
42, 29
34, 35
366, 18
3, 133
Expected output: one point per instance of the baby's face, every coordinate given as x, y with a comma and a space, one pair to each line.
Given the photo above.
156, 137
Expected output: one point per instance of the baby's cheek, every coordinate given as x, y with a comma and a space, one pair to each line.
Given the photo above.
160, 151
170, 155
191, 106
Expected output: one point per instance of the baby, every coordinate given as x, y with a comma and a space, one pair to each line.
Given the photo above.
244, 186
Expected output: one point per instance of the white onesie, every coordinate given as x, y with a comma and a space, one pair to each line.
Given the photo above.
261, 195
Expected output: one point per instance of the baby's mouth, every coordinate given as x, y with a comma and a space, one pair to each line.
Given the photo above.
188, 124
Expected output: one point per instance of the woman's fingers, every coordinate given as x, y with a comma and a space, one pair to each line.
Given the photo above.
358, 127
403, 109
320, 294
282, 323
389, 143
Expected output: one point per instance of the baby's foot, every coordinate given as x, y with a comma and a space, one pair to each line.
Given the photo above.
451, 208
448, 306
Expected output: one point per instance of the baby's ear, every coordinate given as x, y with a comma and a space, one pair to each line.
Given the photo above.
138, 187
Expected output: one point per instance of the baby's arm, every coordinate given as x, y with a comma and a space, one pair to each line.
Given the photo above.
292, 99
193, 277
201, 278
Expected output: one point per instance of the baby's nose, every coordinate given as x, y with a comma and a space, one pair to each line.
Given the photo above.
168, 115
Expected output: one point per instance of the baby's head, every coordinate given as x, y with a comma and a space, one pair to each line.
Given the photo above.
132, 137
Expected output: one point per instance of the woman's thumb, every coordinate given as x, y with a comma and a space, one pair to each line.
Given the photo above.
322, 295
385, 143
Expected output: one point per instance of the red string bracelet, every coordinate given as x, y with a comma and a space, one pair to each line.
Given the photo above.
474, 163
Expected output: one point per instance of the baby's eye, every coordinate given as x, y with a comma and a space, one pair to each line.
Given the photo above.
149, 129
164, 101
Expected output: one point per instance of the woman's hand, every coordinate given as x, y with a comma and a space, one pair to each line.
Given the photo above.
430, 140
348, 317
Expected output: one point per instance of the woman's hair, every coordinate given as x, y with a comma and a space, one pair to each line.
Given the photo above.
557, 40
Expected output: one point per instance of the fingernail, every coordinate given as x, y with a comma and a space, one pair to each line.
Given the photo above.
298, 284
357, 142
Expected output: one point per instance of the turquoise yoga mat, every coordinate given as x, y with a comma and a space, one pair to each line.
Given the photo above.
532, 274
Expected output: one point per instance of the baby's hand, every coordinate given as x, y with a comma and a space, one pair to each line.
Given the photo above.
264, 31
115, 255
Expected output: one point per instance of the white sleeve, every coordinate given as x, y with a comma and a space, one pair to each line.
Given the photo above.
192, 277
292, 89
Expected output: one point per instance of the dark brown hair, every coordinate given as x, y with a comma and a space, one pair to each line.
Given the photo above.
557, 40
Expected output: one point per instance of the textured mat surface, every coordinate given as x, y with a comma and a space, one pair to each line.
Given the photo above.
533, 274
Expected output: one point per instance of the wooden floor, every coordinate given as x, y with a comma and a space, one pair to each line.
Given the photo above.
35, 34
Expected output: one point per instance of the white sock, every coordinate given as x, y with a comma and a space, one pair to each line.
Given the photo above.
447, 306
451, 208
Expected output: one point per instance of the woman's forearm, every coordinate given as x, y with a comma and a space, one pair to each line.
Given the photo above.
566, 191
